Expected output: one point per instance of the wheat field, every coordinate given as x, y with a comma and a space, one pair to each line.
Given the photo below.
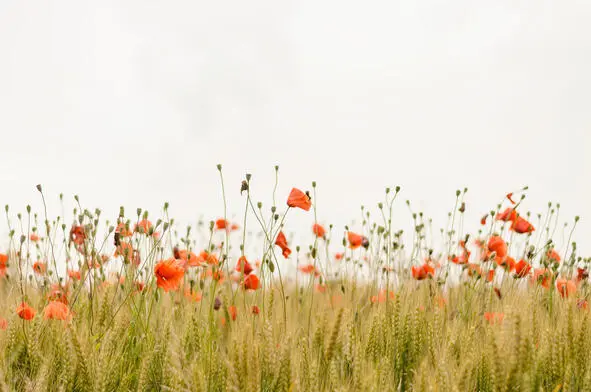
131, 304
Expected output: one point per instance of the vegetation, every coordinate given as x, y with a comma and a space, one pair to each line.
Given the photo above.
134, 306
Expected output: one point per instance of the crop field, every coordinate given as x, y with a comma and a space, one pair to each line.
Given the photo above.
138, 302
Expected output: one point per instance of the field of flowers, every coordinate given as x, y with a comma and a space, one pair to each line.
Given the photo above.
137, 303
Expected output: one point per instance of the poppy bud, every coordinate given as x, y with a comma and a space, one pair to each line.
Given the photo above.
219, 166
244, 186
365, 242
39, 188
217, 304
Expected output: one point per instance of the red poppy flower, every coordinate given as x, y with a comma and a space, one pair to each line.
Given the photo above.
308, 269
143, 226
497, 244
520, 225
357, 240
281, 242
510, 198
553, 256
299, 199
338, 256
39, 267
318, 230
34, 237
494, 318
75, 275
169, 274
123, 230
77, 235
255, 309
243, 266
582, 274
508, 215
422, 272
566, 288
221, 224
522, 268
233, 312
543, 276
25, 312
190, 259
251, 282
56, 310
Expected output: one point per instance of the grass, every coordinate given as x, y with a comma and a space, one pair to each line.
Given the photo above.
365, 313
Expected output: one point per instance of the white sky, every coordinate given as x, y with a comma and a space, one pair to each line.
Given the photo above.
134, 103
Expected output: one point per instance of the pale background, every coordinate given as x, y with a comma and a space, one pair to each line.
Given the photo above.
134, 103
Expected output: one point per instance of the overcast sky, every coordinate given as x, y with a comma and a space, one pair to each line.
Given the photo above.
134, 103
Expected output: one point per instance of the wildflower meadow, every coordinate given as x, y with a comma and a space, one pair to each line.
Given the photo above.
138, 302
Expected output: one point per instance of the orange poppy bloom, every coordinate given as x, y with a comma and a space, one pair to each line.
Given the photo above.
510, 198
139, 286
3, 264
25, 312
357, 240
58, 293
124, 249
3, 324
422, 272
251, 282
308, 269
490, 275
553, 256
56, 310
582, 274
39, 267
543, 276
77, 235
233, 312
582, 304
508, 263
338, 256
34, 237
299, 199
143, 226
483, 219
566, 288
520, 226
474, 270
509, 215
243, 266
320, 288
192, 295
318, 230
522, 268
494, 318
75, 275
255, 309
189, 258
169, 274
221, 224
209, 258
123, 230
281, 242
497, 244
381, 297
